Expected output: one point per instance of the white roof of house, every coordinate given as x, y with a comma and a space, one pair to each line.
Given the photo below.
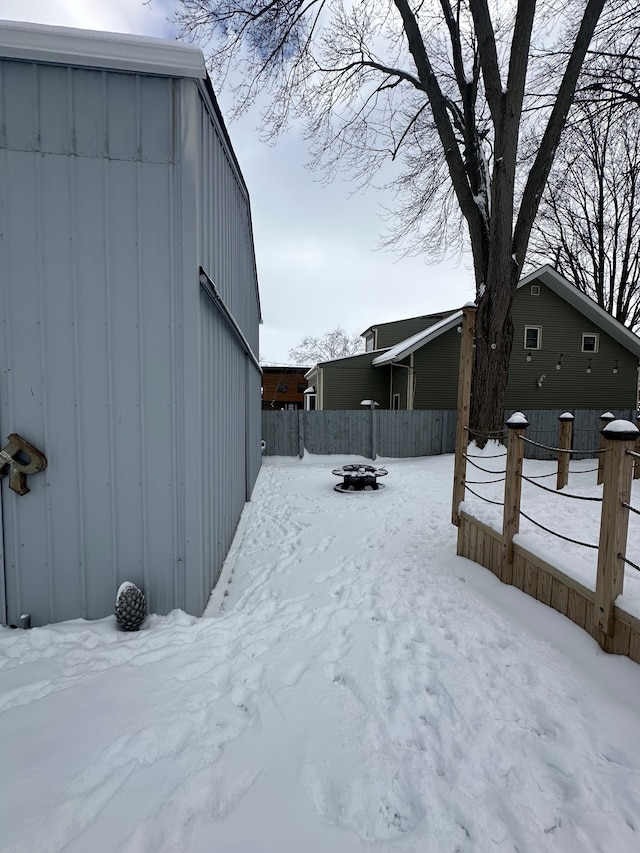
90, 49
409, 345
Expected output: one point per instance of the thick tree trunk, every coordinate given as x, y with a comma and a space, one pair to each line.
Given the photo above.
494, 340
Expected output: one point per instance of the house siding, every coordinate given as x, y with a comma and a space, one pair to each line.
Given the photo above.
348, 381
110, 362
436, 372
389, 334
562, 329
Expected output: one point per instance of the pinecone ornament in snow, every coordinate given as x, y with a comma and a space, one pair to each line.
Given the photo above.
131, 607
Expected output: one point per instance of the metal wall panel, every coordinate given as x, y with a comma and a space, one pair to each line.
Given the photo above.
89, 113
112, 361
87, 379
226, 240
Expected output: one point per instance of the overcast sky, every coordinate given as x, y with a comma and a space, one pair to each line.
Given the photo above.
319, 265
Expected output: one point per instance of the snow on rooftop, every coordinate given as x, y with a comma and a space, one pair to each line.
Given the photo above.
409, 345
94, 49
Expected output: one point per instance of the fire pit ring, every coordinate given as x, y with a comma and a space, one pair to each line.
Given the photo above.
359, 478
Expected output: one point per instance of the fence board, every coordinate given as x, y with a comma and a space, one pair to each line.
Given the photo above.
401, 434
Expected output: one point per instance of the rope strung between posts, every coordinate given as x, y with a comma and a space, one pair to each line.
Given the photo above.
497, 503
482, 482
479, 467
559, 449
490, 436
629, 562
483, 456
554, 533
542, 476
560, 494
587, 471
633, 453
632, 508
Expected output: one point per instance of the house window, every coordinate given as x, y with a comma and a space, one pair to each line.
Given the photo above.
310, 402
368, 343
535, 290
396, 402
589, 342
282, 388
302, 387
533, 337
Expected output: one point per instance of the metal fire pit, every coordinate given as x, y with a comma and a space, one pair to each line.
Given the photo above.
359, 478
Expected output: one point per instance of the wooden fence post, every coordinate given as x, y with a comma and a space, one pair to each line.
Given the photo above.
464, 407
605, 418
301, 416
620, 436
566, 440
517, 426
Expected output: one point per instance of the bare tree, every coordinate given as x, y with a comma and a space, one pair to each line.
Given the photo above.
438, 85
335, 344
589, 220
611, 74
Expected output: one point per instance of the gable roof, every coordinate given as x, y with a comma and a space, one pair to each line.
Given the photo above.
406, 347
585, 305
426, 320
555, 282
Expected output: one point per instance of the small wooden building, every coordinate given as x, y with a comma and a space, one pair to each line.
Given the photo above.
129, 310
283, 387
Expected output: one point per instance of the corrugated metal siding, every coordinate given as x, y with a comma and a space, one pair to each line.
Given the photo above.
87, 379
112, 363
86, 113
226, 241
562, 328
224, 443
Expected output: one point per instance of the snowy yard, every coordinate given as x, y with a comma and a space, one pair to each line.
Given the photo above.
354, 686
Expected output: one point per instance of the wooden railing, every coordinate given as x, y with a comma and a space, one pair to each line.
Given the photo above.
594, 610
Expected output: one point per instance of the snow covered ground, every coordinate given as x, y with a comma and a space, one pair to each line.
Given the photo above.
354, 686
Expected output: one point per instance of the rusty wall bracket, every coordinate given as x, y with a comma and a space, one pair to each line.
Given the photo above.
19, 458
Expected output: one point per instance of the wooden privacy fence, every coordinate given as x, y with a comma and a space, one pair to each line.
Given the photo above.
398, 434
368, 433
595, 610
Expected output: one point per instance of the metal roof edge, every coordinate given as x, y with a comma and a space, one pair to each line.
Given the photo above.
93, 49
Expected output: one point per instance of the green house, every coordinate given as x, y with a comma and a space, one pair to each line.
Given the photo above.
568, 353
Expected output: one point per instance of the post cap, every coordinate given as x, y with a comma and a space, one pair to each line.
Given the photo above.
566, 416
517, 421
607, 416
620, 430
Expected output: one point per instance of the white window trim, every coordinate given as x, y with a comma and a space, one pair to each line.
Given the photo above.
393, 402
539, 330
591, 335
535, 290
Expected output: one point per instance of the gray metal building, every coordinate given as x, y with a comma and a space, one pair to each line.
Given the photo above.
129, 315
